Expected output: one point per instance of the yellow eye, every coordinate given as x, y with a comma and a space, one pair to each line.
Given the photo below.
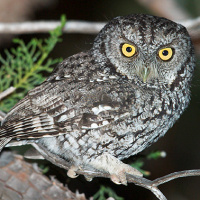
128, 50
165, 54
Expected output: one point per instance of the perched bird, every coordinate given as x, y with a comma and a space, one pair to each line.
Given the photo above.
111, 102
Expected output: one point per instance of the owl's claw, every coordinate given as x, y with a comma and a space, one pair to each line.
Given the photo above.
71, 172
120, 175
115, 167
115, 179
88, 178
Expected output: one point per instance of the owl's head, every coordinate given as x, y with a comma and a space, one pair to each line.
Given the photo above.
148, 50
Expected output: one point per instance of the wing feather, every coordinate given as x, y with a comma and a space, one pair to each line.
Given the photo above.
61, 105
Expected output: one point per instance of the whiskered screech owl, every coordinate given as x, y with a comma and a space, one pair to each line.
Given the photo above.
106, 104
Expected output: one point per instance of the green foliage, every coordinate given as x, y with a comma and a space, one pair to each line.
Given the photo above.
139, 163
156, 154
105, 192
44, 168
25, 66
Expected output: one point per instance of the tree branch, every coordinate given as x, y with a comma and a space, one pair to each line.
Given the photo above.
140, 181
22, 180
2, 115
4, 94
175, 175
46, 26
193, 26
7, 92
145, 183
72, 26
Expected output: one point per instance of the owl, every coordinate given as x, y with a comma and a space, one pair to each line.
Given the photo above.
101, 106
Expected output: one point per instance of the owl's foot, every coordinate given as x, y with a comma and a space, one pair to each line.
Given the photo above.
71, 172
115, 168
119, 175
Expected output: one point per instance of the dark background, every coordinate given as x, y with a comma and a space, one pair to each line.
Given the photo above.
181, 143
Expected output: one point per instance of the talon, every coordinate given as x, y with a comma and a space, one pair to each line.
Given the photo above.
120, 177
134, 172
115, 179
116, 168
71, 172
88, 178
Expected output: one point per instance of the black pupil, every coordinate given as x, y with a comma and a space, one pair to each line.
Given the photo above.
165, 53
128, 49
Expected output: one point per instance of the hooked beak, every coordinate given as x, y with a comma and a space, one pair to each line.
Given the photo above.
145, 73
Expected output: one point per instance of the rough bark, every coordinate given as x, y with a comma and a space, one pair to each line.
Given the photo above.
20, 180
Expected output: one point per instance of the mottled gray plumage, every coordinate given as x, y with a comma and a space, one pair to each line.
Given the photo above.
100, 106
